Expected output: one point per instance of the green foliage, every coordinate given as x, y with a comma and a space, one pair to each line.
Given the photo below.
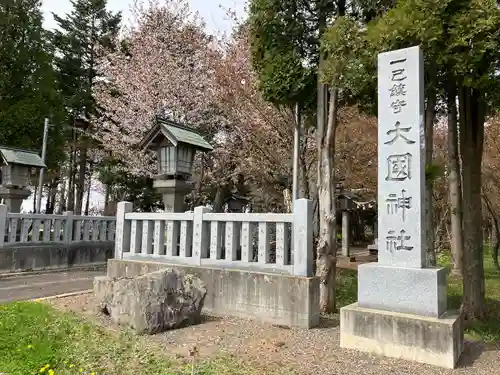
28, 90
350, 61
128, 187
458, 37
77, 40
285, 49
433, 171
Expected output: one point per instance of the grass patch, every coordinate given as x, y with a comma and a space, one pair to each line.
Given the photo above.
347, 287
36, 338
488, 331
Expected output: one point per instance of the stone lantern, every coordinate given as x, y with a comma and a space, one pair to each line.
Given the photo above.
175, 146
236, 203
15, 172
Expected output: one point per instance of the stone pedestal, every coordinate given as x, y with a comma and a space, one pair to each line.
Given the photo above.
435, 341
405, 290
174, 192
13, 198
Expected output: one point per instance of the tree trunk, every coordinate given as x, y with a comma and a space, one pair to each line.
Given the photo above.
70, 205
61, 207
51, 197
430, 114
472, 117
89, 187
327, 245
287, 200
455, 188
495, 232
35, 191
220, 196
82, 172
304, 171
106, 199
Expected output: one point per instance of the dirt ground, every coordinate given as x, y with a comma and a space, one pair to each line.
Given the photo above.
307, 352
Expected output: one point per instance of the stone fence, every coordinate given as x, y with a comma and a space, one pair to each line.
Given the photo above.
254, 265
259, 242
44, 242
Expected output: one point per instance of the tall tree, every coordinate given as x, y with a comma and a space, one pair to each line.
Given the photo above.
77, 41
460, 39
28, 92
286, 54
164, 70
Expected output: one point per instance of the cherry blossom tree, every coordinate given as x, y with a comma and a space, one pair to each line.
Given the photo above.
168, 65
164, 68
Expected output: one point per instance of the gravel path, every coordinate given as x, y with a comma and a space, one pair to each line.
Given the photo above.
308, 352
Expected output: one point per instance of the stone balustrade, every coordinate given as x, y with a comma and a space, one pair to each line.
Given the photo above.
40, 242
66, 228
260, 242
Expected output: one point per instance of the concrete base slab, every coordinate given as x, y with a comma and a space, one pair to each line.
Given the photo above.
420, 291
434, 341
274, 298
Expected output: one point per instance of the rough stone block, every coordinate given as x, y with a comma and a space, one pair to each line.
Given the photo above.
435, 341
153, 302
271, 297
405, 290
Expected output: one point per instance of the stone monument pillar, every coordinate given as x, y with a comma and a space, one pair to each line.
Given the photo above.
401, 309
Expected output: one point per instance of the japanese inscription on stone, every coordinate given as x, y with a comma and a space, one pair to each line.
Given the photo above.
401, 158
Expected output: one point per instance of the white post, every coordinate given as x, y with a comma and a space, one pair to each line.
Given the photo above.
345, 233
68, 227
44, 151
302, 237
123, 227
201, 235
3, 223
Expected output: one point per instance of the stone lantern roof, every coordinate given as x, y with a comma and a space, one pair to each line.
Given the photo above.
22, 157
176, 134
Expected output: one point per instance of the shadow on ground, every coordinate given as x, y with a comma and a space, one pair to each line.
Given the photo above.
472, 352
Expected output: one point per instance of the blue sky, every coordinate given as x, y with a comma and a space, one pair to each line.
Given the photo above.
210, 10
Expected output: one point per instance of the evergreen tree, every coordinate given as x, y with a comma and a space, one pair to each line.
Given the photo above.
81, 33
28, 91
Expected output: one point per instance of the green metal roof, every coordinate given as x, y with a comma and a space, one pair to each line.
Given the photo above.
23, 157
184, 135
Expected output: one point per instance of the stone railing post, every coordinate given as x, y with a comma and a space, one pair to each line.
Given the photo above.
68, 227
3, 223
201, 241
123, 228
302, 228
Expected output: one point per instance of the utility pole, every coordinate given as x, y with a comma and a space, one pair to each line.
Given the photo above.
296, 154
40, 179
